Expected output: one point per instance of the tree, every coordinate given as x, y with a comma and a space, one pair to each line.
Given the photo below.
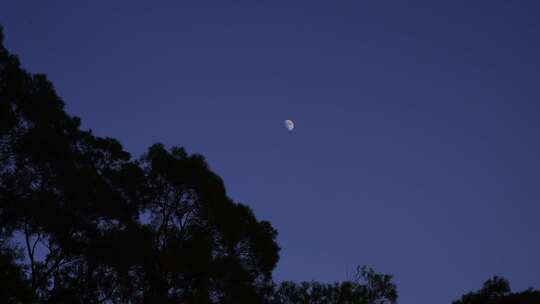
497, 291
94, 225
368, 287
203, 247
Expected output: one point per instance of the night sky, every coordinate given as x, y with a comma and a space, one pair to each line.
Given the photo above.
416, 147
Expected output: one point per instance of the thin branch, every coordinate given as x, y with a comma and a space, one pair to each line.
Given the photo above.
30, 254
38, 239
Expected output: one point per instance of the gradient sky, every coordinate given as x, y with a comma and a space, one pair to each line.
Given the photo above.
416, 148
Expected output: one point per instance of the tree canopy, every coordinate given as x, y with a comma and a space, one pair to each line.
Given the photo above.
368, 287
497, 291
97, 225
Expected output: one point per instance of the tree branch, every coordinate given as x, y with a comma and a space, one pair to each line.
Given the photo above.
30, 255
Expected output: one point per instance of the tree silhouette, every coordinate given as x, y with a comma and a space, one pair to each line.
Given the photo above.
97, 226
83, 222
368, 287
497, 291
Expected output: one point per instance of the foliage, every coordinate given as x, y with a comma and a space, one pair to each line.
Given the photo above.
367, 288
497, 291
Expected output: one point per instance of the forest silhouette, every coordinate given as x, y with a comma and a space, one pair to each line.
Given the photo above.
82, 221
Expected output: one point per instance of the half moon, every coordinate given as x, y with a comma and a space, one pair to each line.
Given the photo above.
289, 124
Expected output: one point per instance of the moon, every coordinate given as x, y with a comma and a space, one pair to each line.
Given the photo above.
289, 124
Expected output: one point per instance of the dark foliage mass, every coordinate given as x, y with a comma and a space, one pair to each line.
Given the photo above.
367, 287
497, 291
83, 222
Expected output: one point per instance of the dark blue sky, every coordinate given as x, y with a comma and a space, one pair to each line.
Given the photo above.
417, 142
